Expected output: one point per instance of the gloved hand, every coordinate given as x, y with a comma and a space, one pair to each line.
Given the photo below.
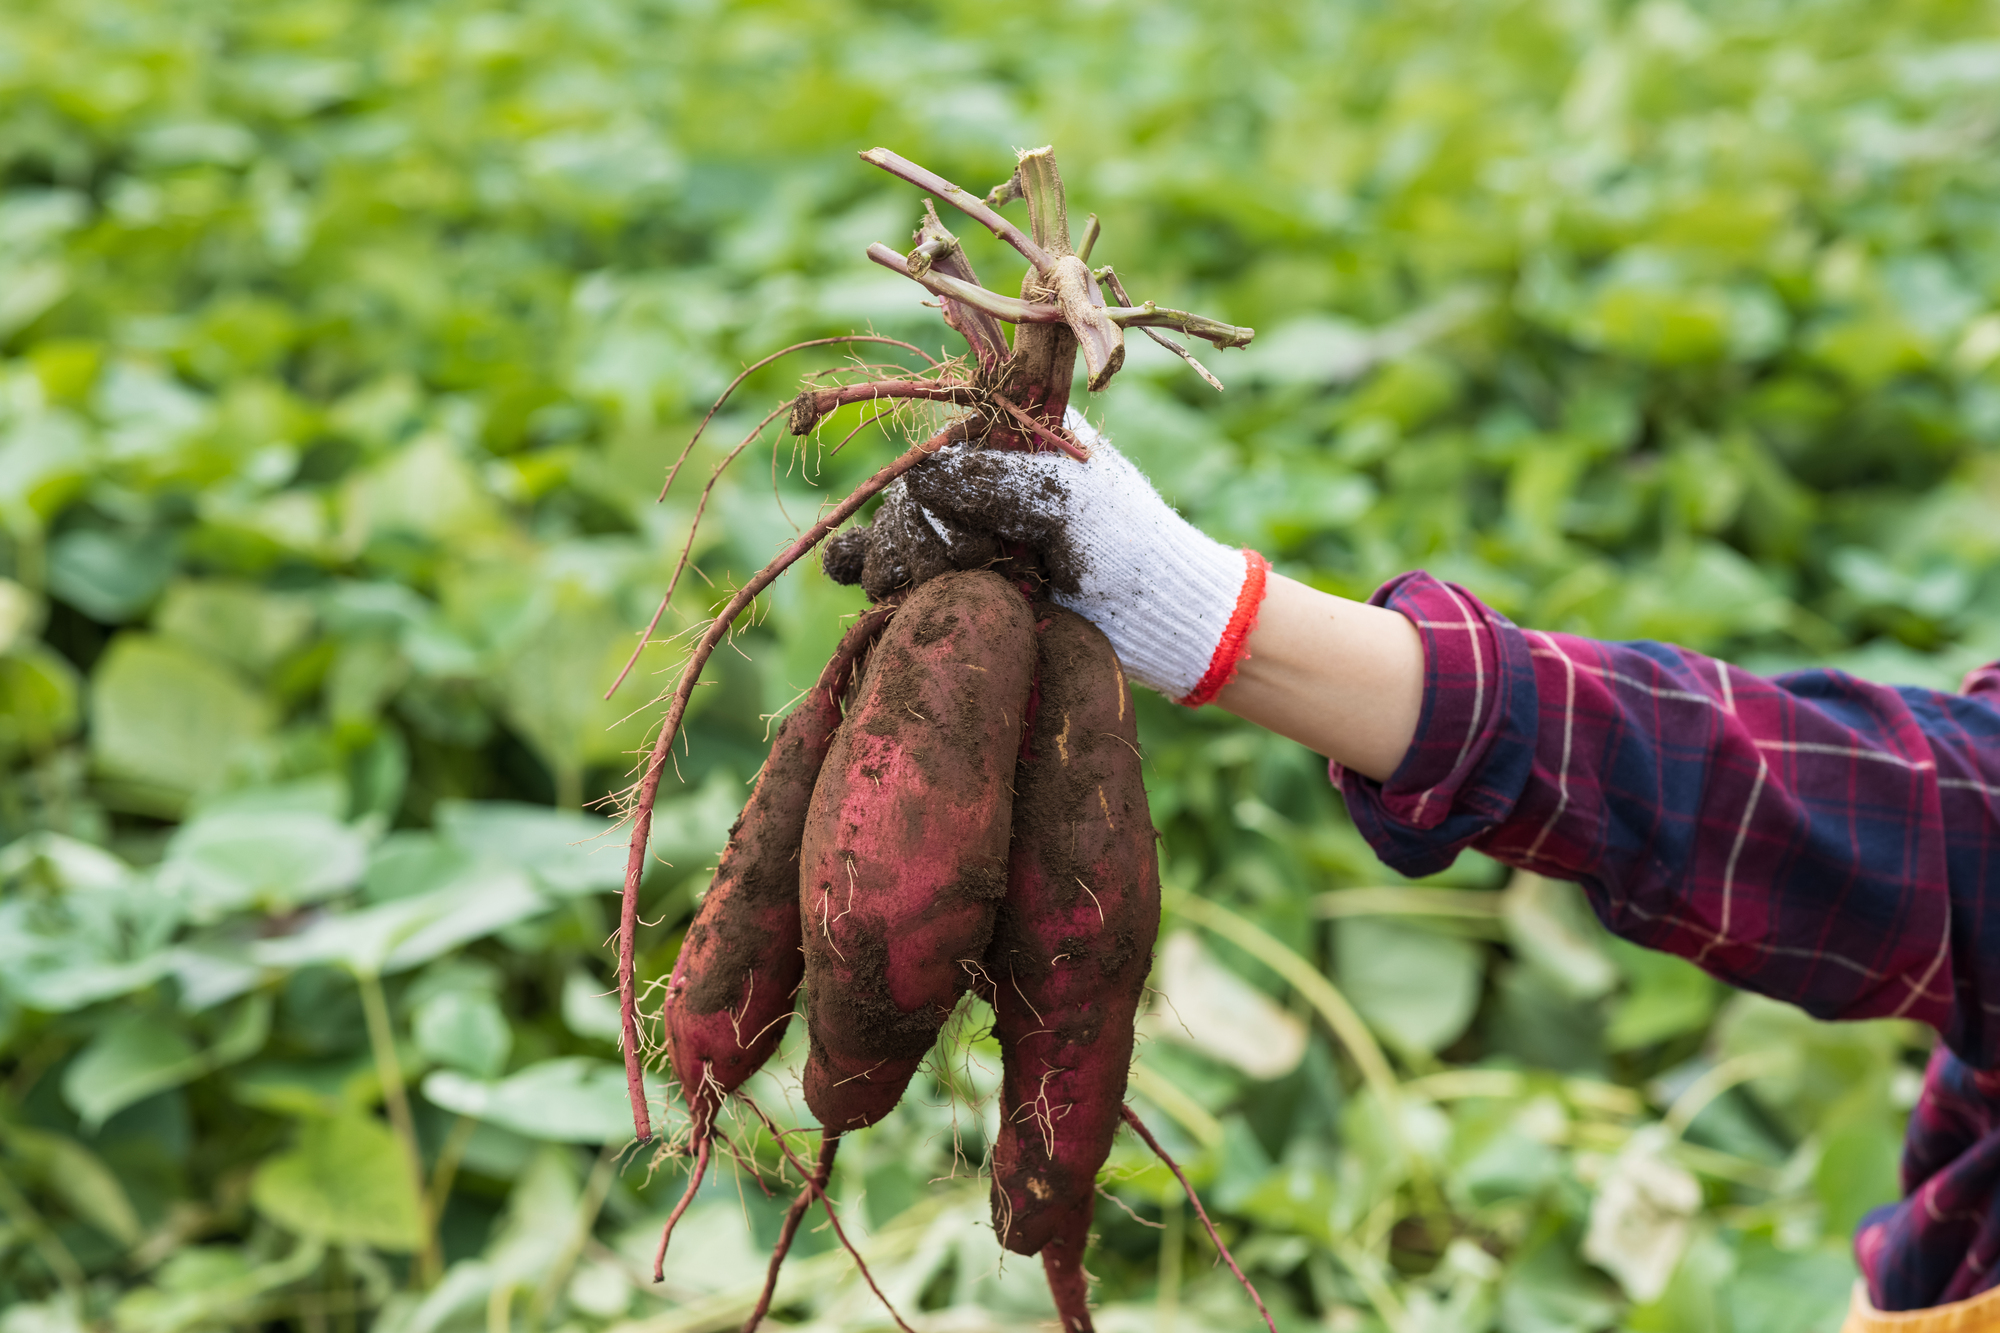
1177, 605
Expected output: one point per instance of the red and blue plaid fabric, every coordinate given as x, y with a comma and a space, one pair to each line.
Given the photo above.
1813, 837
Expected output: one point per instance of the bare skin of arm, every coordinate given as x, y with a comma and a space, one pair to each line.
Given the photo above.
1344, 679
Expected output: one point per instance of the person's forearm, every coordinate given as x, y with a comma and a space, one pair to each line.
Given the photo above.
1342, 678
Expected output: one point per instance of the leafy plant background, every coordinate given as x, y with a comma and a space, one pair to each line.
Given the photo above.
345, 342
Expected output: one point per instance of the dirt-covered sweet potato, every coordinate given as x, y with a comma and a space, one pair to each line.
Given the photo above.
1072, 944
732, 986
905, 851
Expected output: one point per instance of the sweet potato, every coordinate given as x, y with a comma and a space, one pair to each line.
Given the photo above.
905, 852
732, 986
1072, 944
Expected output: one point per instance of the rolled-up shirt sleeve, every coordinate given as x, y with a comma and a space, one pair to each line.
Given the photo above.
1812, 837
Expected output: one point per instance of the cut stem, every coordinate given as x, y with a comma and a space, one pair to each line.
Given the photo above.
938, 249
1010, 308
649, 784
1109, 277
1016, 311
829, 1144
1147, 315
1048, 212
1139, 1128
962, 200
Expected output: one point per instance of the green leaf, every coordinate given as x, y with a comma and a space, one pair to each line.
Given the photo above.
1535, 1021
405, 932
464, 1030
58, 1314
268, 860
128, 1062
78, 1176
168, 720
567, 851
1552, 929
1416, 987
1668, 996
233, 622
589, 1009
1666, 325
326, 1088
22, 613
1860, 1155
552, 688
108, 576
1808, 1069
1547, 1291
1776, 1291
427, 489
409, 862
568, 1100
1693, 1300
206, 1285
344, 1180
55, 861
1210, 1008
138, 1055
39, 700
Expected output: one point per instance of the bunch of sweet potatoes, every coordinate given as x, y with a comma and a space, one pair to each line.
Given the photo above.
975, 823
956, 806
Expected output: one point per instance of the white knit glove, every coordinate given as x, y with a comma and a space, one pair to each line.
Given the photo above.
1176, 604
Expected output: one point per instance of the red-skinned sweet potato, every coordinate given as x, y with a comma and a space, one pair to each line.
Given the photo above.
905, 850
732, 986
1072, 945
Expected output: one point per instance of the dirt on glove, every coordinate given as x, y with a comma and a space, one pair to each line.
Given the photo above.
962, 510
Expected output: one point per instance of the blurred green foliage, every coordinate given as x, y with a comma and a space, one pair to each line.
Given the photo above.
342, 345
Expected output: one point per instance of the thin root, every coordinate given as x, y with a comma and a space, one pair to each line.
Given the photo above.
814, 1187
754, 367
673, 1218
687, 550
1139, 1127
818, 1189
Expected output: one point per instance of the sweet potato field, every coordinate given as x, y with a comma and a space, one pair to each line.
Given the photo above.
344, 350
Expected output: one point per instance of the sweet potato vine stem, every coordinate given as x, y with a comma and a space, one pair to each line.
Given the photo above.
1109, 278
962, 200
649, 785
1014, 310
1139, 1128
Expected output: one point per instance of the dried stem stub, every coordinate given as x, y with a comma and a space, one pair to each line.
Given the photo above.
1061, 310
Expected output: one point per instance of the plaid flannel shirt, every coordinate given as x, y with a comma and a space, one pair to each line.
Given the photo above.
1814, 837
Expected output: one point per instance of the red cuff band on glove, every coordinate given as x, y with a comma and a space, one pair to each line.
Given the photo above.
1232, 648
